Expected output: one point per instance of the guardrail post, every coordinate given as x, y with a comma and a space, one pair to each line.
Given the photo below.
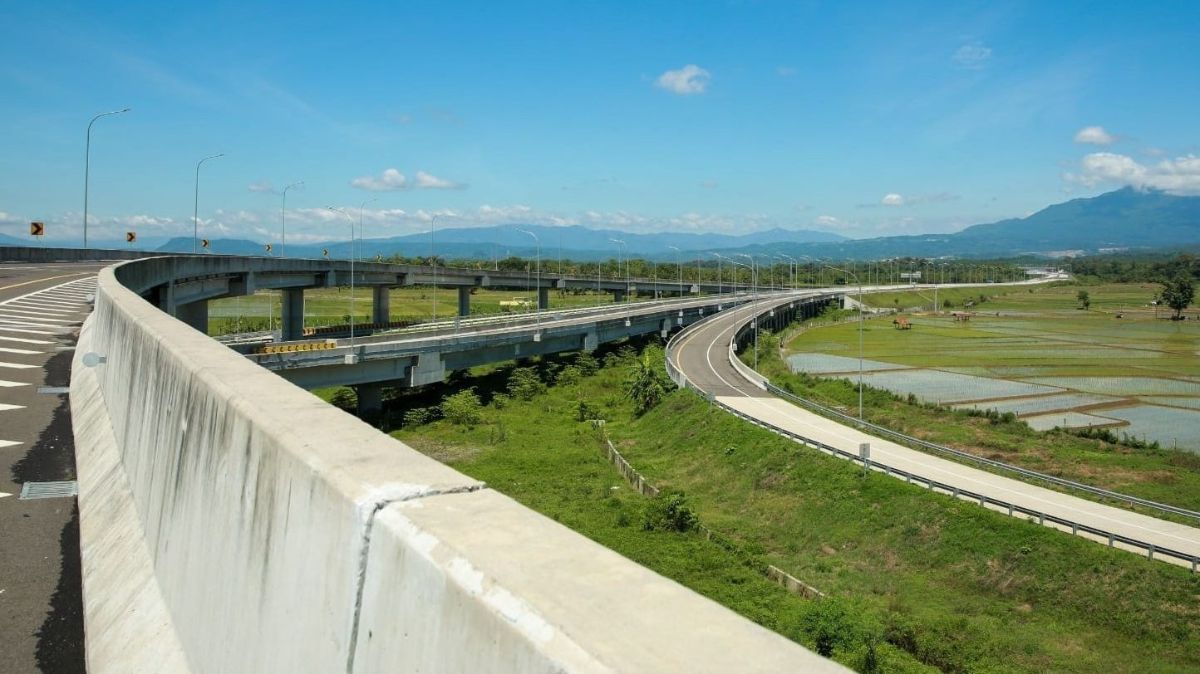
1074, 528
1110, 540
1150, 552
1041, 518
1010, 510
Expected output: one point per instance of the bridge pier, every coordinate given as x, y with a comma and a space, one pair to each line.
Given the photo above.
380, 306
194, 314
544, 298
618, 296
370, 399
291, 314
464, 301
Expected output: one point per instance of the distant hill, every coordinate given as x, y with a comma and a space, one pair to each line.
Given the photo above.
1124, 219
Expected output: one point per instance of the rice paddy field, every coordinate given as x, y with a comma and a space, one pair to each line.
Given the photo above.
1035, 353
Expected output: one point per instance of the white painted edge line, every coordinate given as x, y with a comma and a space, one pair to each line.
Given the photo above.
18, 366
4, 407
23, 340
8, 443
11, 384
31, 332
23, 352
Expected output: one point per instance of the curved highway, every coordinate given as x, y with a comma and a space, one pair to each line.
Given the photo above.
701, 354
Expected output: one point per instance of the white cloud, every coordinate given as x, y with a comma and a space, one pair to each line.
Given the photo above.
826, 221
1177, 176
144, 221
892, 199
261, 186
1094, 135
973, 55
431, 182
688, 80
388, 181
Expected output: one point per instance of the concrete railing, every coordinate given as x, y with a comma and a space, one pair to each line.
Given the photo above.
232, 522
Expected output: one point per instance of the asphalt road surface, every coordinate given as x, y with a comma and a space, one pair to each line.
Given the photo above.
41, 622
703, 357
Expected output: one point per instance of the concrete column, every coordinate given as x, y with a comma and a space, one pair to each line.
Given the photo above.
618, 296
380, 307
370, 399
291, 314
464, 301
543, 298
194, 314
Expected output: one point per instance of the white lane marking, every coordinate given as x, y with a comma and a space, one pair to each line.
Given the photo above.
37, 301
18, 310
4, 407
32, 323
11, 384
28, 306
4, 494
7, 314
925, 465
23, 330
8, 443
22, 340
22, 352
18, 366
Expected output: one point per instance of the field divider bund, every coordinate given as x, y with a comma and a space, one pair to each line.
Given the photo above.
1076, 528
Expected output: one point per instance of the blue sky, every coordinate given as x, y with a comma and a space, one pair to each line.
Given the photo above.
865, 119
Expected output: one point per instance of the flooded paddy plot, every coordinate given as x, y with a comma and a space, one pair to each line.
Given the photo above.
820, 363
1169, 426
1173, 401
1122, 385
936, 386
1045, 422
1041, 404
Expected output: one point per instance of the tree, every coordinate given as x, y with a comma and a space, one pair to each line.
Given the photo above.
1085, 300
1178, 294
647, 384
524, 383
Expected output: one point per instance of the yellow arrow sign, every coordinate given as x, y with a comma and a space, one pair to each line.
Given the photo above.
130, 237
37, 228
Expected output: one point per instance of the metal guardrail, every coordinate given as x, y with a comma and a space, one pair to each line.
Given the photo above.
990, 463
1076, 528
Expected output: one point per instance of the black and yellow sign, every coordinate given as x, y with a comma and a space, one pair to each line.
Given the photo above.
268, 247
37, 228
325, 252
204, 243
130, 237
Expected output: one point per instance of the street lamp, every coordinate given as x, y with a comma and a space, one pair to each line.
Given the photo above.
860, 338
360, 228
351, 220
791, 267
679, 265
753, 300
87, 165
283, 216
433, 261
538, 297
196, 204
620, 256
720, 277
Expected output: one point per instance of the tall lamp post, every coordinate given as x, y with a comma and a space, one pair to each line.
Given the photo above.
720, 277
87, 165
196, 204
679, 265
538, 298
620, 256
860, 337
433, 261
351, 221
283, 216
753, 301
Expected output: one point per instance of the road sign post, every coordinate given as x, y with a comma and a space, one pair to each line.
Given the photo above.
864, 453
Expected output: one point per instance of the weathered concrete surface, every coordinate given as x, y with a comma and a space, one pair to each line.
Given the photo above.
285, 535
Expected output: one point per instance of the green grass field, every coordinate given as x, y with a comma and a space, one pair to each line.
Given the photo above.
331, 306
942, 584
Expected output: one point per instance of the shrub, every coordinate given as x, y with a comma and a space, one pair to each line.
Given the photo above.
585, 412
524, 383
569, 376
828, 625
420, 415
463, 408
647, 384
669, 512
345, 398
501, 400
587, 363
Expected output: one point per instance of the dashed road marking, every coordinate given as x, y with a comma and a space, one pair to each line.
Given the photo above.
25, 331
4, 407
24, 340
18, 366
8, 443
11, 384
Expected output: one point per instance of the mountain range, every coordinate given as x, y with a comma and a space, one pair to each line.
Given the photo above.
1127, 218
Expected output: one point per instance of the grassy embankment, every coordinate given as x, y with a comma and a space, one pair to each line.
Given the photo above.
1050, 335
934, 582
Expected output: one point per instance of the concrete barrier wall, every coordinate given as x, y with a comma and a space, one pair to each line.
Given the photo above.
240, 524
